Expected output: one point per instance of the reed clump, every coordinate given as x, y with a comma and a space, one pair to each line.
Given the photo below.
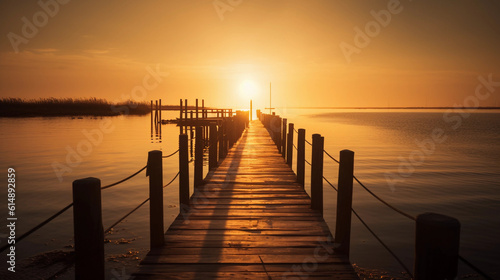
55, 107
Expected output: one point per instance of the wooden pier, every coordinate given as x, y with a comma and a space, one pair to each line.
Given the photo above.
250, 219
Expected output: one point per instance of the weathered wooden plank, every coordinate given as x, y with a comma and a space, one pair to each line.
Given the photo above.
238, 259
166, 268
248, 224
241, 244
262, 232
339, 275
250, 220
178, 251
318, 240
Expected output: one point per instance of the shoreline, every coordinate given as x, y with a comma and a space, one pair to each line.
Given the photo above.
52, 107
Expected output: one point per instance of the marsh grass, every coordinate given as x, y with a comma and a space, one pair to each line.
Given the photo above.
54, 107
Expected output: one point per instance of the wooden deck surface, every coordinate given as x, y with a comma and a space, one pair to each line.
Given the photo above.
251, 220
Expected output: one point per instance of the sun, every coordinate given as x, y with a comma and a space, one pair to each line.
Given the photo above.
248, 89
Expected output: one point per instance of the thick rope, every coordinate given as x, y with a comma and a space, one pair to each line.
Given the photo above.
331, 157
171, 181
136, 208
383, 244
26, 234
124, 217
384, 202
330, 183
474, 268
121, 181
171, 154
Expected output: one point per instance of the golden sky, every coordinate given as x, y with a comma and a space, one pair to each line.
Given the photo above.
315, 53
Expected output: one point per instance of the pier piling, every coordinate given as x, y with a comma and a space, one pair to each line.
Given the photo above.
89, 232
344, 202
155, 173
317, 173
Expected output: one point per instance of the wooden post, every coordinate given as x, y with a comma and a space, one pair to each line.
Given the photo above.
186, 110
212, 159
196, 108
198, 157
203, 108
301, 156
191, 136
89, 233
159, 118
289, 150
230, 131
156, 114
250, 119
278, 129
344, 202
221, 140
151, 119
180, 118
437, 239
284, 142
155, 173
224, 137
317, 173
183, 171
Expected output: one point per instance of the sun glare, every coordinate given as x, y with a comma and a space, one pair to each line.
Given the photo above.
248, 89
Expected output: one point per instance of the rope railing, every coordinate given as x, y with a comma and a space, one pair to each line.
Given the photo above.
413, 218
474, 268
384, 202
121, 181
374, 234
171, 154
331, 157
171, 181
88, 189
110, 228
124, 217
382, 243
136, 208
330, 183
29, 232
37, 227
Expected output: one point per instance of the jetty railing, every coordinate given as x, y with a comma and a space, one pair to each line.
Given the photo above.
89, 233
437, 236
87, 211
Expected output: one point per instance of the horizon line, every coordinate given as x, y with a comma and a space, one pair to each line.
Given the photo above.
385, 108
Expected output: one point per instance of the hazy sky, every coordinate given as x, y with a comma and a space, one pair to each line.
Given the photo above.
418, 53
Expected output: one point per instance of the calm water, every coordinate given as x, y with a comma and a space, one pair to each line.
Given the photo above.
458, 176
